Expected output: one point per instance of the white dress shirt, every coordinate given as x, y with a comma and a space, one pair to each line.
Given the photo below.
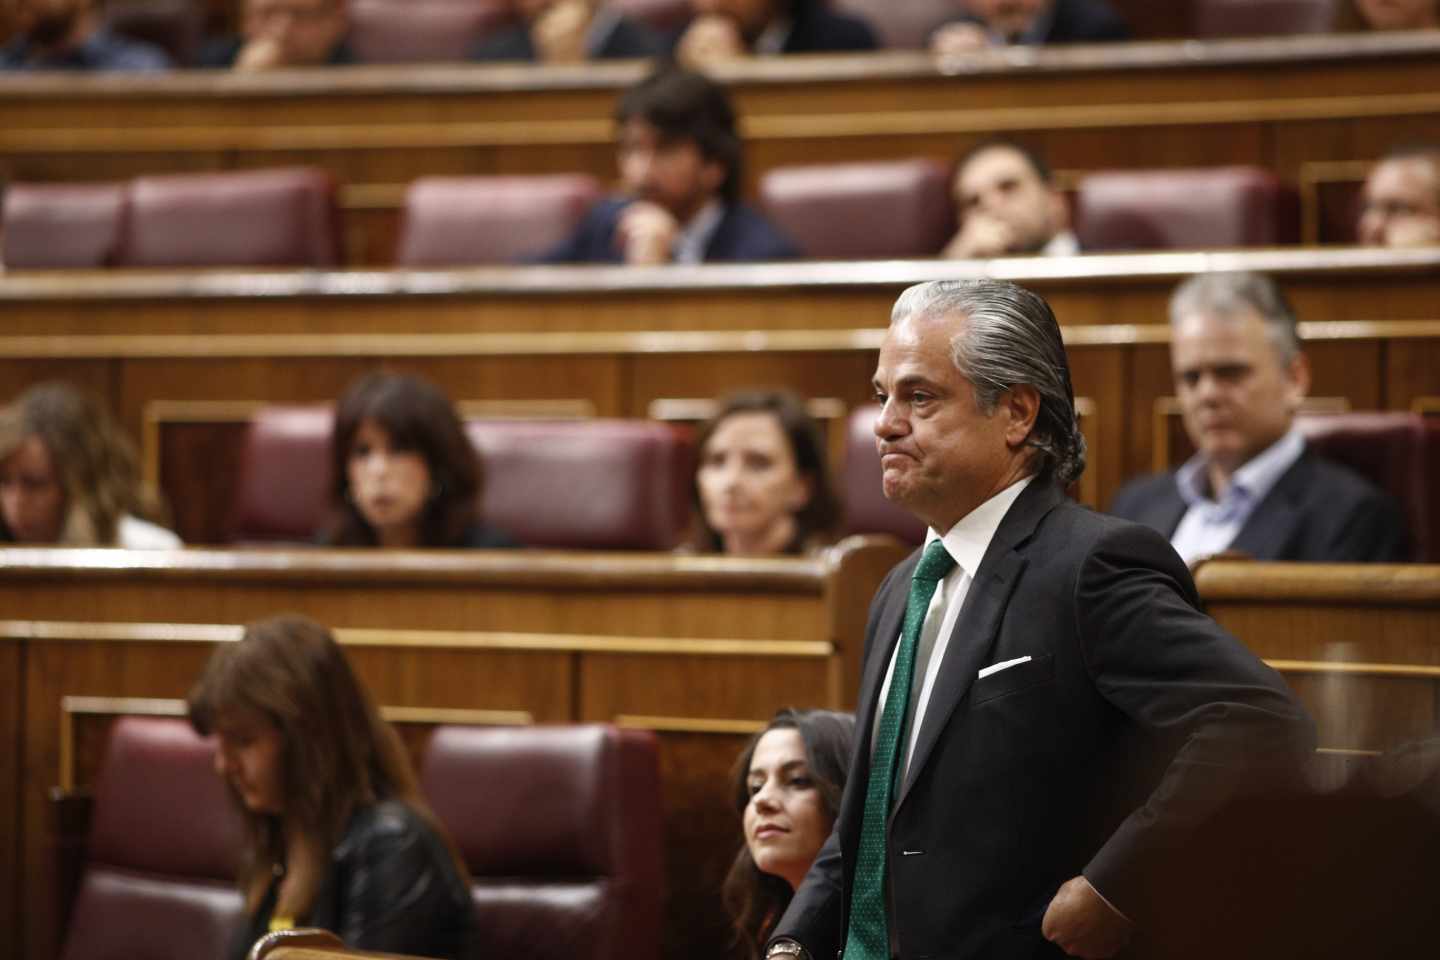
1210, 525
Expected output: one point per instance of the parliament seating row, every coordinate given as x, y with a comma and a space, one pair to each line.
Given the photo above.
557, 826
288, 217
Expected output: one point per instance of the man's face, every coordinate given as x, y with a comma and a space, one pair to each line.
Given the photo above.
1236, 395
1401, 204
941, 456
306, 30
1000, 184
1010, 17
751, 16
670, 172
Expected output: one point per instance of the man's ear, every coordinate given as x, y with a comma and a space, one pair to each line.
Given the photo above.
1022, 404
1297, 381
712, 176
1059, 211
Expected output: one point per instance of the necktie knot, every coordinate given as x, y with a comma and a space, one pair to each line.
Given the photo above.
935, 563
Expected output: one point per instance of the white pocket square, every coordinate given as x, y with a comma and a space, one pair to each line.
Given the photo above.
1002, 665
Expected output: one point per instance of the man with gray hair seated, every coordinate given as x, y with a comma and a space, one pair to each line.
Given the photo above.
1252, 486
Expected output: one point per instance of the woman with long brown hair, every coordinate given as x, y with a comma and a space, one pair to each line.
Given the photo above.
338, 835
786, 786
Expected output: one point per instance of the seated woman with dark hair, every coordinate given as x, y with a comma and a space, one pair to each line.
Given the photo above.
762, 485
338, 836
69, 476
403, 472
786, 787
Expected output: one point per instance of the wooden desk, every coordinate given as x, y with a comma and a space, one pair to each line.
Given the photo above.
1360, 644
700, 649
1275, 102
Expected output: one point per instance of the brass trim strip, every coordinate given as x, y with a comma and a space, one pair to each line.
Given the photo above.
461, 716
687, 724
1349, 752
1407, 671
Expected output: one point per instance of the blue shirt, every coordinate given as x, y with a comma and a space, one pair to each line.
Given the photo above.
1209, 526
102, 50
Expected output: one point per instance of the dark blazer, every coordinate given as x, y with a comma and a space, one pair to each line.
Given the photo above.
743, 235
817, 30
1317, 511
1078, 21
222, 52
1095, 756
627, 40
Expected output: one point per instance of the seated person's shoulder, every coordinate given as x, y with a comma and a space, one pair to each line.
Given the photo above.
749, 235
1142, 490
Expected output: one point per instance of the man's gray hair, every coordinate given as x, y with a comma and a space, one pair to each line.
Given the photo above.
1230, 294
1010, 339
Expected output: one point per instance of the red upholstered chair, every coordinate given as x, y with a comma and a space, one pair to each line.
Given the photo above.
159, 876
903, 25
1394, 451
663, 15
866, 509
1184, 209
73, 225
284, 483
862, 211
451, 221
421, 31
255, 218
603, 484
1261, 18
561, 829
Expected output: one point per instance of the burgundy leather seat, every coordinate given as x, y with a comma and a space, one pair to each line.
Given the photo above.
164, 845
421, 31
453, 221
902, 24
73, 225
283, 217
284, 482
866, 509
602, 484
862, 211
561, 829
1184, 209
1262, 18
1397, 452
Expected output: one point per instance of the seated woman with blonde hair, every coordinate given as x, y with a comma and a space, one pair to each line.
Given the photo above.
69, 476
762, 486
786, 787
338, 835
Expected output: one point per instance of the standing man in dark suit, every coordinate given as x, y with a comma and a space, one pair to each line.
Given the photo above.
1044, 714
1253, 486
680, 166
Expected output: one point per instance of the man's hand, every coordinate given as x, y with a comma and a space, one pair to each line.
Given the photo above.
980, 236
958, 39
646, 233
1417, 231
262, 53
709, 40
1081, 923
559, 33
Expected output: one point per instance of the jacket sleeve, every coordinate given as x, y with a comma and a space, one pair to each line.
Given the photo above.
394, 896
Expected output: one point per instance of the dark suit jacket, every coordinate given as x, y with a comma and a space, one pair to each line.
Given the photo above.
1317, 511
1095, 756
1079, 21
817, 30
742, 235
627, 40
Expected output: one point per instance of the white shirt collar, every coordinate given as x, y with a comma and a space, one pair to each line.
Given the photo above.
773, 38
968, 540
695, 236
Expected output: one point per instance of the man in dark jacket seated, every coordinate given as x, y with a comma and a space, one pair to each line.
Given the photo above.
1253, 487
1033, 22
680, 167
723, 30
568, 31
70, 35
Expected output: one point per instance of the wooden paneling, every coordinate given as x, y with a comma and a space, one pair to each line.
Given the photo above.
701, 649
12, 704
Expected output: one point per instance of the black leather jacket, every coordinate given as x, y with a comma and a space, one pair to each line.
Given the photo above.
393, 888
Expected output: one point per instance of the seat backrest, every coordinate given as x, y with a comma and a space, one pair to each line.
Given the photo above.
1184, 209
283, 217
862, 211
561, 829
603, 484
1261, 18
175, 26
284, 481
165, 840
74, 225
902, 25
1390, 450
451, 221
866, 509
421, 31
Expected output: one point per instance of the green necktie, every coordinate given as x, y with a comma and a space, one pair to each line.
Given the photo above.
868, 937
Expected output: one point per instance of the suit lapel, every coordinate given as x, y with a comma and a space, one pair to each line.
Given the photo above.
1165, 514
1273, 522
979, 621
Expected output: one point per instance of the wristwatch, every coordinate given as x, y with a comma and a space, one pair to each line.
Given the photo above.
787, 949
